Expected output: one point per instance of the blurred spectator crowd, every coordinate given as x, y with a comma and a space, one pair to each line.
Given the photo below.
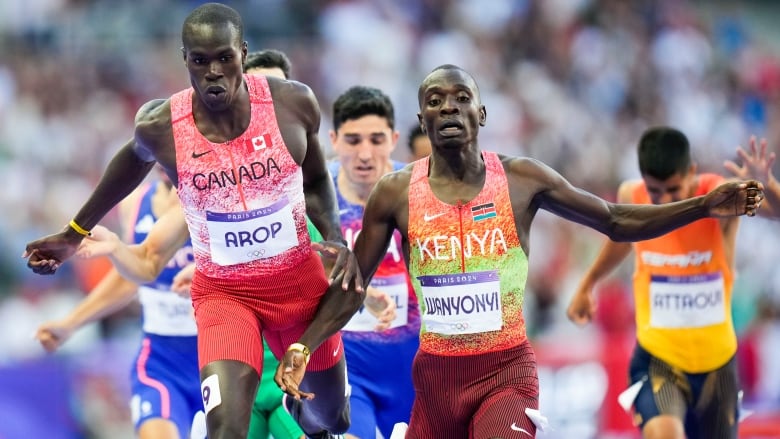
570, 82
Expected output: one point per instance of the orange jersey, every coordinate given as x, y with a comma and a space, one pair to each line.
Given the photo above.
468, 268
682, 290
243, 199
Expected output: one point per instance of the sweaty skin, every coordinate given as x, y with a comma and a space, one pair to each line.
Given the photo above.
213, 53
451, 113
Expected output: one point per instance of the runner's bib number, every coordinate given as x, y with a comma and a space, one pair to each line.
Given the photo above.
240, 237
465, 303
166, 313
687, 301
398, 290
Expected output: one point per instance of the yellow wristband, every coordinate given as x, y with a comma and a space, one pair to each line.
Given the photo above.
80, 230
300, 347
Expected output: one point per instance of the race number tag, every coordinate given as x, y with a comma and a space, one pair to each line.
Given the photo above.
209, 390
396, 287
240, 237
687, 301
465, 303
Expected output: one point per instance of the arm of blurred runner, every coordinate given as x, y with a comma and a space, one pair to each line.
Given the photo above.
143, 262
111, 294
757, 163
582, 305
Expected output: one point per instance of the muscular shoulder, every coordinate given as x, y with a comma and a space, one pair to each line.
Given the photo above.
530, 173
152, 125
391, 191
296, 98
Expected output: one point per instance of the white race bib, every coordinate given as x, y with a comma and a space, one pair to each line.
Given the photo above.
465, 303
687, 301
241, 237
166, 313
396, 287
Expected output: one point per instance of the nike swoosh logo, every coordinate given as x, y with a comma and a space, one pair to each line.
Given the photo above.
427, 217
336, 351
196, 155
520, 429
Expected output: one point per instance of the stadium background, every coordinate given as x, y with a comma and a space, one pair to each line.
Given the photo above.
570, 82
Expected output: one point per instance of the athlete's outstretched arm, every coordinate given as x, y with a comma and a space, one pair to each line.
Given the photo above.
635, 222
125, 171
111, 294
143, 262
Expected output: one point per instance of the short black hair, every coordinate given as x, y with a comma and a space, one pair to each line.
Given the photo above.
268, 59
414, 133
664, 152
359, 101
214, 14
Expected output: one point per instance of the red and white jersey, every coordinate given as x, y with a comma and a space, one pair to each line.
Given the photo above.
243, 199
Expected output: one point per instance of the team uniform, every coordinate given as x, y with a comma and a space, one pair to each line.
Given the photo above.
475, 374
380, 363
686, 339
244, 205
165, 381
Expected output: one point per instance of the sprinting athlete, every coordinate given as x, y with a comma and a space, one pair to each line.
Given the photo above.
465, 215
165, 383
243, 152
684, 362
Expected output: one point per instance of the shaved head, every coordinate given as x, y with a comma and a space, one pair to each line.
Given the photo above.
212, 14
441, 72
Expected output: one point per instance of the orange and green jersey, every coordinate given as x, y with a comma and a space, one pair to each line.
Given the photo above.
467, 266
682, 290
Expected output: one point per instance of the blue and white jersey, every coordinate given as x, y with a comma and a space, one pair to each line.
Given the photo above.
164, 312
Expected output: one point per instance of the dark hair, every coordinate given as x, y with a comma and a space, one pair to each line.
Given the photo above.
360, 101
268, 59
664, 152
414, 133
214, 14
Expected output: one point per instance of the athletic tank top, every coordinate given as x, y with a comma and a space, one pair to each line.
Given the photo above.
163, 311
682, 291
243, 199
468, 268
391, 277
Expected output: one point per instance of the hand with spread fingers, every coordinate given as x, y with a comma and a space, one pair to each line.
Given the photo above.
757, 162
344, 263
735, 199
291, 370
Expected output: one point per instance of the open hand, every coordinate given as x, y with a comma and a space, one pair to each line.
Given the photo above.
345, 264
101, 242
756, 163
